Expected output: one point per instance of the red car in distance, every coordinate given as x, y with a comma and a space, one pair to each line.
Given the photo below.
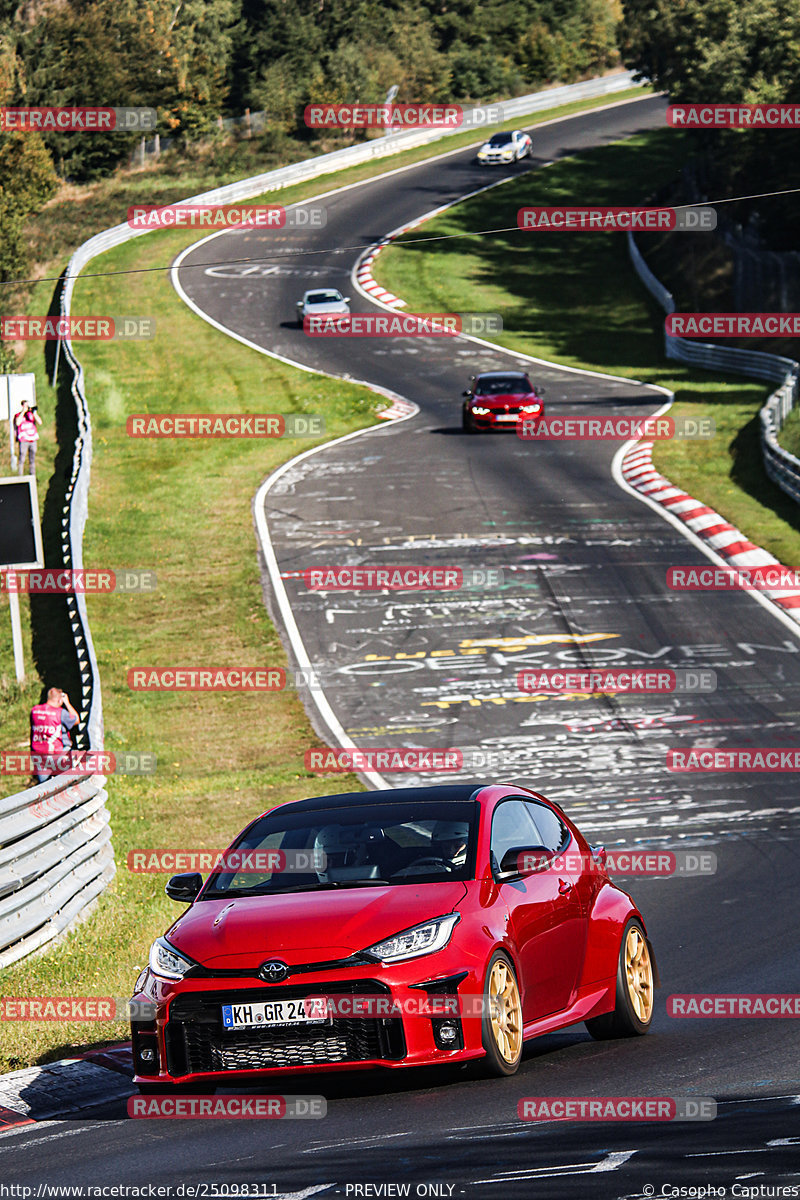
423, 926
498, 400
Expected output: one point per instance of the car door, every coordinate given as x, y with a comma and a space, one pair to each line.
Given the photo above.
544, 920
571, 925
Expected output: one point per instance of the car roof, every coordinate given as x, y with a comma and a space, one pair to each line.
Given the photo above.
433, 794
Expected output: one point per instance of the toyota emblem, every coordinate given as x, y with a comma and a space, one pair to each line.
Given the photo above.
273, 971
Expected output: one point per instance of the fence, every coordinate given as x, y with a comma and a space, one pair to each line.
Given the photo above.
781, 466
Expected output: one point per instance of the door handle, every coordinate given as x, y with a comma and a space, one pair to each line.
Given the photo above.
564, 887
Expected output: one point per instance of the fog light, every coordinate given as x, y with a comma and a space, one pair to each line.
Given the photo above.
447, 1033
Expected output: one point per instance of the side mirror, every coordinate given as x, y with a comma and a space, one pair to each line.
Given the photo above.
467, 394
540, 391
519, 861
184, 887
347, 299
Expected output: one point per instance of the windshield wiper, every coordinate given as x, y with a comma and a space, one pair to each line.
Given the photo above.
233, 893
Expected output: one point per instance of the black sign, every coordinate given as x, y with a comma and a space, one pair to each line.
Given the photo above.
19, 524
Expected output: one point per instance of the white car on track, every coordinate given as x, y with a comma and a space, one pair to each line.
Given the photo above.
505, 147
321, 302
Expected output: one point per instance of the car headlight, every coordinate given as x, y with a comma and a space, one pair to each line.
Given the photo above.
421, 939
166, 962
481, 412
508, 153
529, 408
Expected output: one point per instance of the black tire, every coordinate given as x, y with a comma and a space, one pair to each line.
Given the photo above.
503, 1055
635, 983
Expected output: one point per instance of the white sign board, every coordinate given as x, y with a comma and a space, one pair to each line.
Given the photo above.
13, 390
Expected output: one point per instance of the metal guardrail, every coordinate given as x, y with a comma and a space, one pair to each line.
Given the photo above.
55, 859
55, 841
781, 466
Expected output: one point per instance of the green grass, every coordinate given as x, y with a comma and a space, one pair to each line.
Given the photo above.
575, 299
182, 509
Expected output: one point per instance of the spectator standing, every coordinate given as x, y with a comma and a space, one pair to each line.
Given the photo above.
27, 436
50, 726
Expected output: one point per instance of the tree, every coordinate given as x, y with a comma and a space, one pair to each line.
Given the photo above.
741, 51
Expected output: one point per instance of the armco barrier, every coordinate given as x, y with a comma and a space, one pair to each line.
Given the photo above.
781, 466
55, 860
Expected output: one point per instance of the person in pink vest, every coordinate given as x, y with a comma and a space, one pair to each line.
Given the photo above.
50, 726
27, 436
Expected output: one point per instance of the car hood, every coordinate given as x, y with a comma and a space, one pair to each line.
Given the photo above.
305, 927
335, 306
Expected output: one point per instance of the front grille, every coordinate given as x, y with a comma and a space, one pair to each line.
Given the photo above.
197, 1041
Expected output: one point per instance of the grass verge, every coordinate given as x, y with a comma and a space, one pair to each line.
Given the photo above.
574, 299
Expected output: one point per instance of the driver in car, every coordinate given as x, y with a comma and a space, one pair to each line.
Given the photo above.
449, 841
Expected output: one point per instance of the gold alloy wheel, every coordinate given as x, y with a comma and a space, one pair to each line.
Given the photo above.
639, 975
505, 1011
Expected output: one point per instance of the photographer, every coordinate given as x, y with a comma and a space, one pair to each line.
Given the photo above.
27, 436
51, 723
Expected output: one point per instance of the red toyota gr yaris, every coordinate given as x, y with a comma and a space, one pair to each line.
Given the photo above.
416, 926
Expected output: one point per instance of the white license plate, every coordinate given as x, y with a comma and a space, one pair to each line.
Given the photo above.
270, 1013
508, 417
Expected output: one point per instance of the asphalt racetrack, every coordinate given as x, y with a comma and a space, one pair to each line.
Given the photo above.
583, 581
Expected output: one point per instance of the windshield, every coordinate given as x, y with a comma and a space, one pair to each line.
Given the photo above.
503, 385
323, 297
358, 846
501, 139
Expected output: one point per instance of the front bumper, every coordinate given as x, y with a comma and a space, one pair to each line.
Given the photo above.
500, 419
187, 1041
